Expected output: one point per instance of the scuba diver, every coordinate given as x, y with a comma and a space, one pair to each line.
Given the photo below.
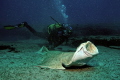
57, 33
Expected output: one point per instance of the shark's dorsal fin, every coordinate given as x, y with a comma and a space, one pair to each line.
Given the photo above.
44, 49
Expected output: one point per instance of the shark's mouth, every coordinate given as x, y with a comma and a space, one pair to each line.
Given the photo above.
83, 54
86, 52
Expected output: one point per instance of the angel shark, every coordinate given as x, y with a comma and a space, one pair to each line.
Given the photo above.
63, 60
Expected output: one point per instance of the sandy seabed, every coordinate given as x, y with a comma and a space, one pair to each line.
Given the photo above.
19, 60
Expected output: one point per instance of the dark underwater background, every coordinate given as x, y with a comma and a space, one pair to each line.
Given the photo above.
38, 12
87, 17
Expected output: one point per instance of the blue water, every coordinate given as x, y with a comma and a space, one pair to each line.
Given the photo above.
70, 11
88, 18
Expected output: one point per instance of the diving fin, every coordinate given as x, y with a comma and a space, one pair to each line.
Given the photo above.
9, 27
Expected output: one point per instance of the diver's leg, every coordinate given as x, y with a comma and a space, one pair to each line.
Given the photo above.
66, 39
51, 41
31, 29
